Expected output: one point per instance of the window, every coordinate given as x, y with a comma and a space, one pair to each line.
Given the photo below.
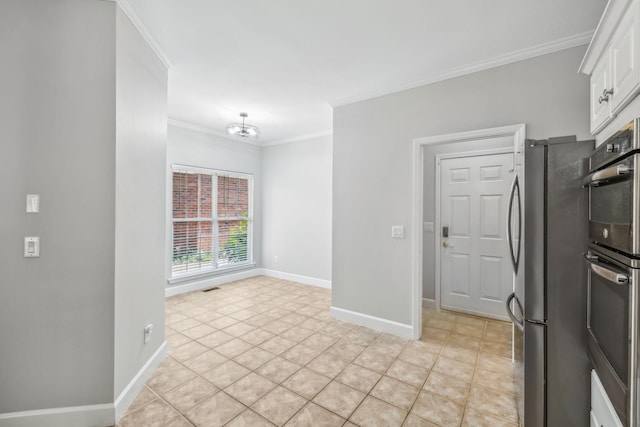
212, 220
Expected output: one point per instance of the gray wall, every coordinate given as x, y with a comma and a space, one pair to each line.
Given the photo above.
57, 132
194, 148
297, 208
141, 145
372, 163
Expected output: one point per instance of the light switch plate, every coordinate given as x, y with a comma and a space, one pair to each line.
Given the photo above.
397, 231
33, 203
428, 227
32, 247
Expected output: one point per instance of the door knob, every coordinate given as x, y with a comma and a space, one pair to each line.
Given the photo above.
445, 244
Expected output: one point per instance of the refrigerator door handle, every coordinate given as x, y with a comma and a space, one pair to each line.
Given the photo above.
515, 252
509, 240
518, 322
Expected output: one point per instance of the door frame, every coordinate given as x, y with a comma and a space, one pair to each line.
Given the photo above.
517, 132
437, 223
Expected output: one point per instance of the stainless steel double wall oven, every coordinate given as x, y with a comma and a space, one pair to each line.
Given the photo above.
614, 268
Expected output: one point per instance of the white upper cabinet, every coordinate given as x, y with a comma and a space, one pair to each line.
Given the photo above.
612, 61
625, 75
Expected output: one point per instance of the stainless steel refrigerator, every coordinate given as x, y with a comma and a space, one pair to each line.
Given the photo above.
548, 233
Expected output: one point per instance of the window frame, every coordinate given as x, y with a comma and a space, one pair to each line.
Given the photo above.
215, 220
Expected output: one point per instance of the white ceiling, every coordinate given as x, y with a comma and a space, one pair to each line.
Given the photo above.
285, 62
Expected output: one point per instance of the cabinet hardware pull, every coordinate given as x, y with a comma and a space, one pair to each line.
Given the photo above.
605, 96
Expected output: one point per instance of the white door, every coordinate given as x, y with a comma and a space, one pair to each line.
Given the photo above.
475, 264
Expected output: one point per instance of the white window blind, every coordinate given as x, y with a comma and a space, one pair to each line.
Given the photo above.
212, 220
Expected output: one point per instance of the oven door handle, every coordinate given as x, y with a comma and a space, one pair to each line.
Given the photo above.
605, 273
604, 175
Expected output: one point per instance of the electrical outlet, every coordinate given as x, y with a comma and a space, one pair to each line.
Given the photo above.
147, 333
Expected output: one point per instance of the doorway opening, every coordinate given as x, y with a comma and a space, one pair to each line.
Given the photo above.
427, 229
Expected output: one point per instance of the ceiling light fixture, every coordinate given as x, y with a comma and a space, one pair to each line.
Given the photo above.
242, 130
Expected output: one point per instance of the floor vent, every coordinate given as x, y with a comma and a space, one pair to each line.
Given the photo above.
215, 288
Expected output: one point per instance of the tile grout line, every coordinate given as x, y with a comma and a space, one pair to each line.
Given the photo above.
472, 382
341, 337
275, 355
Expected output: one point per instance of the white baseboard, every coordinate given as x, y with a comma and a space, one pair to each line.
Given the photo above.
74, 416
429, 303
377, 323
297, 278
476, 313
209, 282
106, 414
130, 392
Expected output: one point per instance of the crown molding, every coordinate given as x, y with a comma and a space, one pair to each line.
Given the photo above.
203, 129
497, 61
300, 138
209, 131
144, 32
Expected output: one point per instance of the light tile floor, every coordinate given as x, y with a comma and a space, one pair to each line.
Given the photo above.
264, 352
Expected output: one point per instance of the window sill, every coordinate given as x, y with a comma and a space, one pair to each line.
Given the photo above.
211, 273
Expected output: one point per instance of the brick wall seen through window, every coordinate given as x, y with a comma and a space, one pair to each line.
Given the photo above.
211, 229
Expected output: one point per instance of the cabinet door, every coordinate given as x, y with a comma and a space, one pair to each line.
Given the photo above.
601, 408
625, 73
600, 81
